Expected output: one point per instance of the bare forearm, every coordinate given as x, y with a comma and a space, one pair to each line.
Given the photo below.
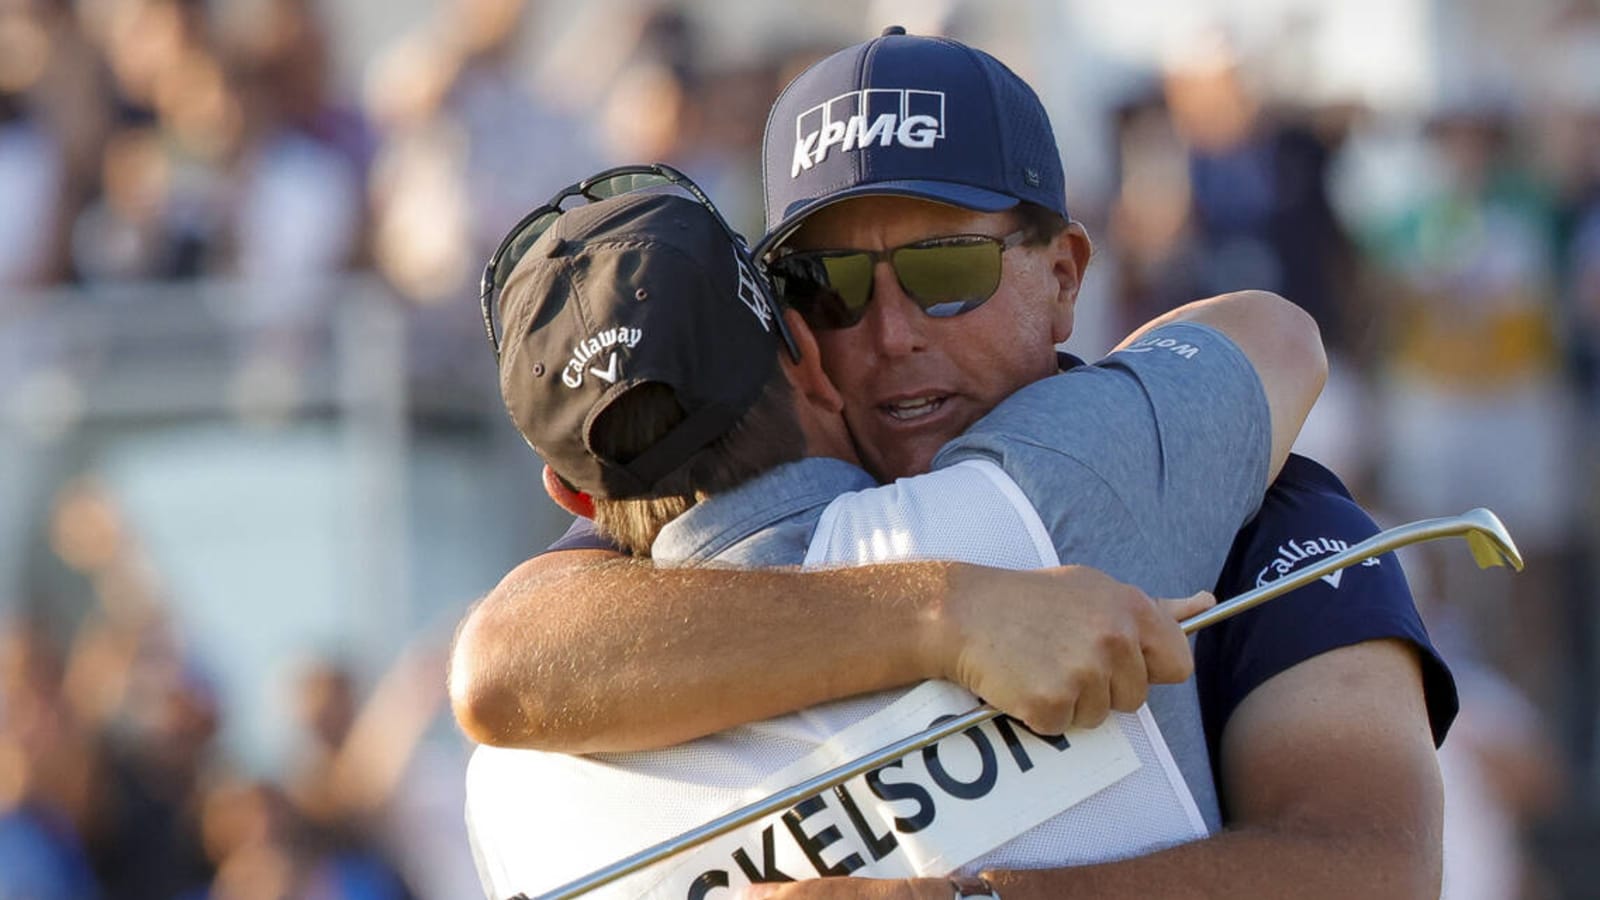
1255, 862
1330, 774
1331, 778
594, 653
620, 655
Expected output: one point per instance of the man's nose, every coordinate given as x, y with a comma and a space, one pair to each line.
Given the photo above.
897, 325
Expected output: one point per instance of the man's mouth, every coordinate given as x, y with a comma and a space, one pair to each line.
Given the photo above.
914, 408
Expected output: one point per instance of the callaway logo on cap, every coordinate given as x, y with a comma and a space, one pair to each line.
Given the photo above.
609, 341
908, 116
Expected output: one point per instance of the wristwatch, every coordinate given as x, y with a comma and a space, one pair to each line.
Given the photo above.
973, 886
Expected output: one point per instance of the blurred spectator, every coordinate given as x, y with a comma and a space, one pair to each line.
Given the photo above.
1584, 282
344, 785
55, 76
718, 142
262, 849
127, 233
297, 200
161, 210
669, 105
301, 205
1258, 188
1478, 407
1501, 766
1502, 773
1569, 148
469, 147
160, 748
1569, 132
248, 832
1152, 229
129, 764
31, 170
141, 715
48, 784
646, 112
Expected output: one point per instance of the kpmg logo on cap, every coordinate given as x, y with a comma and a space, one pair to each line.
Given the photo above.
857, 120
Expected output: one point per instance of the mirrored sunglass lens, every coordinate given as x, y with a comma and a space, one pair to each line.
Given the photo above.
518, 247
807, 283
622, 184
850, 277
949, 279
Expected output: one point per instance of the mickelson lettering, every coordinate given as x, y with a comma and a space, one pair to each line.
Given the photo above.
863, 841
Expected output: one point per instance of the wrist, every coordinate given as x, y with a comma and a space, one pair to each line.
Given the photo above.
973, 887
939, 619
888, 621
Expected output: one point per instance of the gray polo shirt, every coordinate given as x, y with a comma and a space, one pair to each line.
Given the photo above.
1143, 465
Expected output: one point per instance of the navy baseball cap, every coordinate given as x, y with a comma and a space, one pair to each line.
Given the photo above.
909, 116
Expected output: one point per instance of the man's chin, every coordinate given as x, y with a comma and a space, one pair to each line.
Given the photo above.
903, 462
902, 455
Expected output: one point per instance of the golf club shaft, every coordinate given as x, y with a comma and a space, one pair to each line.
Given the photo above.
1377, 545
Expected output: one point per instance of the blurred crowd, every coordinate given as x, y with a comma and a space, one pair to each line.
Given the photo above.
112, 781
1451, 255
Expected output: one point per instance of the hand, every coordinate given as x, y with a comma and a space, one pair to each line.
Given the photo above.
1060, 648
852, 889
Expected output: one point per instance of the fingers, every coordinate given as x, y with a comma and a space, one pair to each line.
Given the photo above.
1167, 657
1187, 607
1094, 704
1130, 685
1052, 718
1112, 678
1064, 651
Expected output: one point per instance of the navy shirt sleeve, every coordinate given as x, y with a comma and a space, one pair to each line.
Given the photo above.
582, 535
1308, 514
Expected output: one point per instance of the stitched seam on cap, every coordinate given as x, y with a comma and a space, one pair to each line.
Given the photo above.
860, 158
1002, 134
575, 276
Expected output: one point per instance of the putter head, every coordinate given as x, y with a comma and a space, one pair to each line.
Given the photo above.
1490, 542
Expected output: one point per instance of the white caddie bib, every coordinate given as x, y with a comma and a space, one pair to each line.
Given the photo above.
926, 814
974, 512
992, 796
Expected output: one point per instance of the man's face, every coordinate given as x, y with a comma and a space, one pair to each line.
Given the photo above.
912, 382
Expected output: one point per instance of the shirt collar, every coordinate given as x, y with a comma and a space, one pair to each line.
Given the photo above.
714, 524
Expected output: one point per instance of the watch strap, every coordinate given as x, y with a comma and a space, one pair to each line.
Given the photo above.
973, 886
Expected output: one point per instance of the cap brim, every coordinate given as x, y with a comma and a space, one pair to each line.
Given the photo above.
964, 196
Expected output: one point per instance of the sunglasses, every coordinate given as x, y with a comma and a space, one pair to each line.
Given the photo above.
604, 186
944, 276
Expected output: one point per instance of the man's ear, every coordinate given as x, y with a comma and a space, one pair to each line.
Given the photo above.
806, 375
566, 496
1072, 251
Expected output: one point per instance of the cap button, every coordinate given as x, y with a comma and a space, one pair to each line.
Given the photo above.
894, 29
